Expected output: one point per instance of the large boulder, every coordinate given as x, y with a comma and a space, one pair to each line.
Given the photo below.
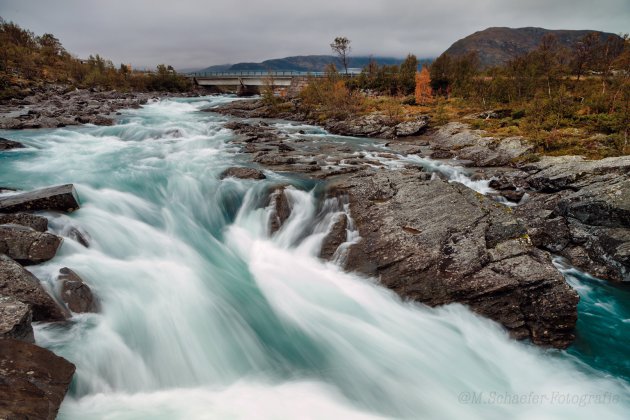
33, 381
75, 293
18, 283
59, 198
438, 242
28, 246
32, 221
15, 320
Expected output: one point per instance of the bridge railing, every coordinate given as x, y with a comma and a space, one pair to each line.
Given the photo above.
264, 74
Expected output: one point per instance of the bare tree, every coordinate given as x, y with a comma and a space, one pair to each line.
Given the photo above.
341, 47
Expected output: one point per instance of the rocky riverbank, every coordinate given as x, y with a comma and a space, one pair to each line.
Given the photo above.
440, 242
60, 106
34, 379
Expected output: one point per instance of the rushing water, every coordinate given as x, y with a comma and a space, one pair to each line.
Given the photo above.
205, 315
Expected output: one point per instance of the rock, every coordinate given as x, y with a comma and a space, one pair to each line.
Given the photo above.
412, 128
32, 221
476, 253
281, 209
59, 198
75, 293
18, 283
34, 381
441, 154
15, 320
335, 237
472, 145
582, 210
6, 144
242, 173
28, 246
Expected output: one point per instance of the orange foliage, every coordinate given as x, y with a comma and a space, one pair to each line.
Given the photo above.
424, 94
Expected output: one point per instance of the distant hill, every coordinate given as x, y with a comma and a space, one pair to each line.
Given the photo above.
307, 63
496, 46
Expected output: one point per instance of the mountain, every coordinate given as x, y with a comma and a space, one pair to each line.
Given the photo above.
496, 46
309, 63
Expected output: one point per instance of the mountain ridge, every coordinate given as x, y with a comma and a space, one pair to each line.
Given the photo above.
497, 45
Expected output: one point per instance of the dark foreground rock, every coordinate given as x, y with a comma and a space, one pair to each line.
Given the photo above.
75, 293
33, 381
18, 283
15, 320
242, 173
28, 246
6, 144
32, 221
60, 198
438, 242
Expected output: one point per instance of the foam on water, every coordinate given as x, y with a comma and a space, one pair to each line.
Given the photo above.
207, 315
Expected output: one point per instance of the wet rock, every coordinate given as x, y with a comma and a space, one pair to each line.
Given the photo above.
582, 210
59, 198
281, 209
6, 144
78, 235
335, 237
15, 320
32, 221
28, 246
18, 283
34, 381
242, 173
476, 253
75, 293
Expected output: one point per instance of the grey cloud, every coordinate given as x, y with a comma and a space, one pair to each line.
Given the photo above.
196, 33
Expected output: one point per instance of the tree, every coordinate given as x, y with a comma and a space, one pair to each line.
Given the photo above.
423, 91
341, 47
407, 74
584, 52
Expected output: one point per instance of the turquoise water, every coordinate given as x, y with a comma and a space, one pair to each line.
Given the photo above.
205, 315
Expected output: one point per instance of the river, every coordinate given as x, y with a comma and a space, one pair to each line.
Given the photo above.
205, 315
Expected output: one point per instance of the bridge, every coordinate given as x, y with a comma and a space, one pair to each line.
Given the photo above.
250, 82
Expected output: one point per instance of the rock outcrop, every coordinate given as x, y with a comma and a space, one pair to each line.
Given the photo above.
28, 246
33, 381
18, 283
242, 173
60, 198
438, 242
459, 140
75, 293
580, 209
15, 320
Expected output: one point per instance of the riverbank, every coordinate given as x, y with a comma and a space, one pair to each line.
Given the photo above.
54, 106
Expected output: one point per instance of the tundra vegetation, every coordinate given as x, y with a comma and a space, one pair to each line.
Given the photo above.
566, 101
29, 61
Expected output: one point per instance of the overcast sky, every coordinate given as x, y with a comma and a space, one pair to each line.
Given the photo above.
198, 33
